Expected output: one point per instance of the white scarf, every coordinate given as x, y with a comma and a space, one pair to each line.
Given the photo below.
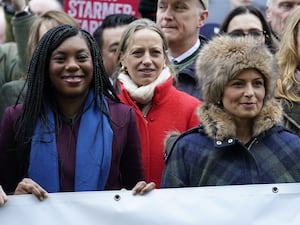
143, 94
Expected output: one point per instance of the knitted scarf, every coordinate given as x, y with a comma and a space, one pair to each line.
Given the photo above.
143, 94
93, 151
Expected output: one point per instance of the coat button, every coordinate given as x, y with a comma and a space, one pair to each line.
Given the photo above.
219, 142
230, 140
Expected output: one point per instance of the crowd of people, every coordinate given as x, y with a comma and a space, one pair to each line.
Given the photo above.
149, 102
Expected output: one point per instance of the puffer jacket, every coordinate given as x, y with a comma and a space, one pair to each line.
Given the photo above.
212, 155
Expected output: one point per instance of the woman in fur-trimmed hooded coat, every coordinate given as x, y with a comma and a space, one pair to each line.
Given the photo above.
216, 152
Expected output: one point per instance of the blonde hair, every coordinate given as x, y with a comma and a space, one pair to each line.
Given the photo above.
137, 25
54, 17
287, 59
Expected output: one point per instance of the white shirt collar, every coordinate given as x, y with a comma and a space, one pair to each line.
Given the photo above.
186, 54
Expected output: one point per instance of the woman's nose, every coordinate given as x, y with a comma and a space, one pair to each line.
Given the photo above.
72, 65
147, 58
249, 90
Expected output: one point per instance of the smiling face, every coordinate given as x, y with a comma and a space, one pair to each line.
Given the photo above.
71, 68
244, 95
144, 58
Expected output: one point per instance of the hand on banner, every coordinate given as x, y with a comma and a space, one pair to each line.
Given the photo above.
3, 197
142, 187
28, 186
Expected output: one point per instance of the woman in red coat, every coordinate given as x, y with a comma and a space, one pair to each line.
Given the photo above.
146, 83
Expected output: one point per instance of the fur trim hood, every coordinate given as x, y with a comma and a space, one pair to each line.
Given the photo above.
224, 57
218, 124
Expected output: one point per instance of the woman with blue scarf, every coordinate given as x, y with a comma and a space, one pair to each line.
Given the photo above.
71, 133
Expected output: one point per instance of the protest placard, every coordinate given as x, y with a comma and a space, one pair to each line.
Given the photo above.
90, 13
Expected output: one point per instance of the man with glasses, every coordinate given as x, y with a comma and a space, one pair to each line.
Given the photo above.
181, 21
277, 12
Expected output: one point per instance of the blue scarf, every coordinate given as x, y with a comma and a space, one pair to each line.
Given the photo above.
93, 151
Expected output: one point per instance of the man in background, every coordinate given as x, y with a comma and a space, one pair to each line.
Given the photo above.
181, 22
108, 36
277, 12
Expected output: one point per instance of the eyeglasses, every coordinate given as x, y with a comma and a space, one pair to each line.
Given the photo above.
257, 34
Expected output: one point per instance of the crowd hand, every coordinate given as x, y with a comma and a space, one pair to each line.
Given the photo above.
28, 186
142, 188
3, 197
18, 5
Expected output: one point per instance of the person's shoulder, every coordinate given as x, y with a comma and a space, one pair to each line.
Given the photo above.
194, 136
284, 139
190, 140
185, 98
9, 48
118, 106
289, 106
9, 45
14, 109
282, 134
14, 85
12, 112
120, 112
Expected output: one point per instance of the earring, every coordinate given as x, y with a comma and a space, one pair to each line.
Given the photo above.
123, 69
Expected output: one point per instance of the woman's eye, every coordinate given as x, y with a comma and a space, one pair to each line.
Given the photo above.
59, 59
237, 84
82, 58
258, 83
137, 53
113, 50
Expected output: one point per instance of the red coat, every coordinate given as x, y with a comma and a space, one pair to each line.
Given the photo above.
171, 110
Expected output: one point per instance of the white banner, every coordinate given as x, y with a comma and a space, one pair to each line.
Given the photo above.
271, 204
